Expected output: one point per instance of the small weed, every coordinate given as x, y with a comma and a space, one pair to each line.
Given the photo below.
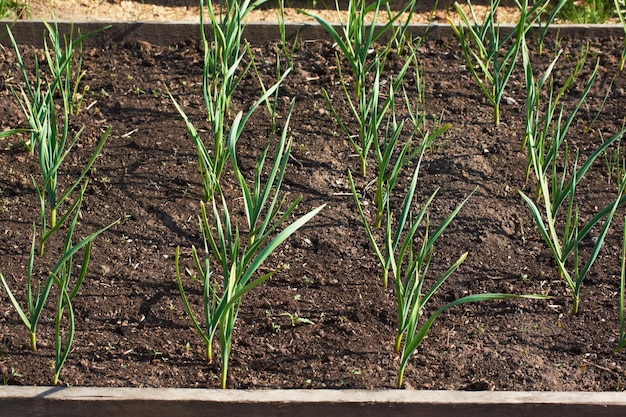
13, 375
137, 90
296, 319
155, 354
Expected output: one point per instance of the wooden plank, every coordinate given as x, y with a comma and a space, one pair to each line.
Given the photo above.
30, 32
170, 402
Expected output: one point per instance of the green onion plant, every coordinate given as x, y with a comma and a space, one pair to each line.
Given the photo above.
35, 302
385, 253
490, 55
370, 113
210, 164
68, 288
399, 38
555, 97
32, 98
224, 51
357, 45
621, 342
389, 170
288, 49
551, 160
37, 292
414, 304
615, 164
415, 106
240, 257
409, 267
542, 26
390, 161
50, 139
64, 59
271, 101
50, 128
357, 38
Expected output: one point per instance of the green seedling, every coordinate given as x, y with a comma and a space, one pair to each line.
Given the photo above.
621, 342
288, 49
549, 154
37, 293
52, 144
543, 26
296, 319
211, 164
13, 375
357, 43
223, 54
491, 56
409, 267
240, 258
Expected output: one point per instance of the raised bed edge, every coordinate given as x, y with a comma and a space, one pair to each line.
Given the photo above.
31, 32
182, 402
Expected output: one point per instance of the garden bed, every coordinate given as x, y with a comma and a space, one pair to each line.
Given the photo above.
132, 330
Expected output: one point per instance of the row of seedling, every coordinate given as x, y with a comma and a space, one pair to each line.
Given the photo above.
229, 261
48, 99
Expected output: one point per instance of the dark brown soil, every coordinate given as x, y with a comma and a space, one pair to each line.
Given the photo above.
132, 329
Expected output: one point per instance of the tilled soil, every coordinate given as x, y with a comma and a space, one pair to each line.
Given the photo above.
132, 329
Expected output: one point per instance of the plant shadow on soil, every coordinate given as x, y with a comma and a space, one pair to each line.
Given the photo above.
132, 329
